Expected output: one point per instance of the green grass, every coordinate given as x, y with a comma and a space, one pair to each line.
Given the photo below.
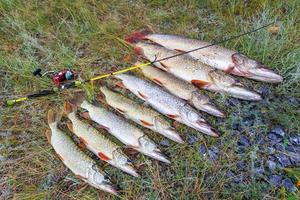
51, 35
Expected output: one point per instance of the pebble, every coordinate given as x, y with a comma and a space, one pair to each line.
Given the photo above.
213, 153
283, 160
274, 138
295, 140
271, 150
241, 165
271, 165
289, 185
291, 148
244, 141
165, 143
278, 131
293, 101
192, 139
248, 121
259, 170
202, 149
279, 147
295, 158
264, 90
233, 102
276, 180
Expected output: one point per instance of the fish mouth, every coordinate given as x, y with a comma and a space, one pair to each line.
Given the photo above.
172, 135
242, 93
129, 169
206, 128
109, 188
156, 155
210, 109
265, 75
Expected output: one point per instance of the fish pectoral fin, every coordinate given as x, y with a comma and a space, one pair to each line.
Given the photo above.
172, 116
70, 126
200, 83
142, 95
85, 115
155, 80
229, 69
179, 50
165, 67
99, 126
60, 157
102, 156
146, 123
120, 84
82, 143
120, 110
80, 177
101, 97
48, 135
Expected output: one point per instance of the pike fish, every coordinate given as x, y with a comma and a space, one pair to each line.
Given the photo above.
97, 143
182, 89
79, 163
128, 134
140, 114
216, 56
166, 103
194, 71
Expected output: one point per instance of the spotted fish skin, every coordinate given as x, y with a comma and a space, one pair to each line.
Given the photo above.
140, 114
182, 89
166, 103
79, 163
98, 144
216, 56
194, 71
127, 133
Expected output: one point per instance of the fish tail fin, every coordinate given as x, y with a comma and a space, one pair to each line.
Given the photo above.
77, 101
137, 36
69, 108
52, 116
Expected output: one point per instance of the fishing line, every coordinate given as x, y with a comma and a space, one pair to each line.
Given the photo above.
78, 83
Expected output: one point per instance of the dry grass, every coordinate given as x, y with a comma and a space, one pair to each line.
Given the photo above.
82, 35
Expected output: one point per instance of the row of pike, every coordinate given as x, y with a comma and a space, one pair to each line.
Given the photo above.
173, 95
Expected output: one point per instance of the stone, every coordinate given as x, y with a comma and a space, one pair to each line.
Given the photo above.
289, 185
274, 138
165, 143
275, 180
278, 131
243, 141
271, 165
202, 149
295, 140
213, 153
264, 90
279, 147
283, 160
191, 139
259, 170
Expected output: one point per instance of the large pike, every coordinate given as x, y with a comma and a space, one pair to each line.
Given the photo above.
97, 143
194, 71
182, 89
128, 134
166, 103
80, 164
216, 56
140, 114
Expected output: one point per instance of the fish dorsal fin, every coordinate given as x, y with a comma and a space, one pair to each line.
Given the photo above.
48, 135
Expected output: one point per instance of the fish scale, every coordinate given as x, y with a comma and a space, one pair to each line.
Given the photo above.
140, 114
127, 133
99, 145
166, 103
79, 163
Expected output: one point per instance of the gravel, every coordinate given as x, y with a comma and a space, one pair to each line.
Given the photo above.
275, 180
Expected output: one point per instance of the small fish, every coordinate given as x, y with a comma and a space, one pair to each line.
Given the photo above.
194, 71
182, 89
80, 164
128, 134
140, 114
167, 104
216, 56
97, 143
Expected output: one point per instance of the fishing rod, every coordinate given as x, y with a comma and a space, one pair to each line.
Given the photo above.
77, 83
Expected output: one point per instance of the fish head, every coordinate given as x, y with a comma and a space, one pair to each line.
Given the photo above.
147, 144
194, 119
151, 52
164, 128
121, 161
202, 102
100, 180
247, 67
